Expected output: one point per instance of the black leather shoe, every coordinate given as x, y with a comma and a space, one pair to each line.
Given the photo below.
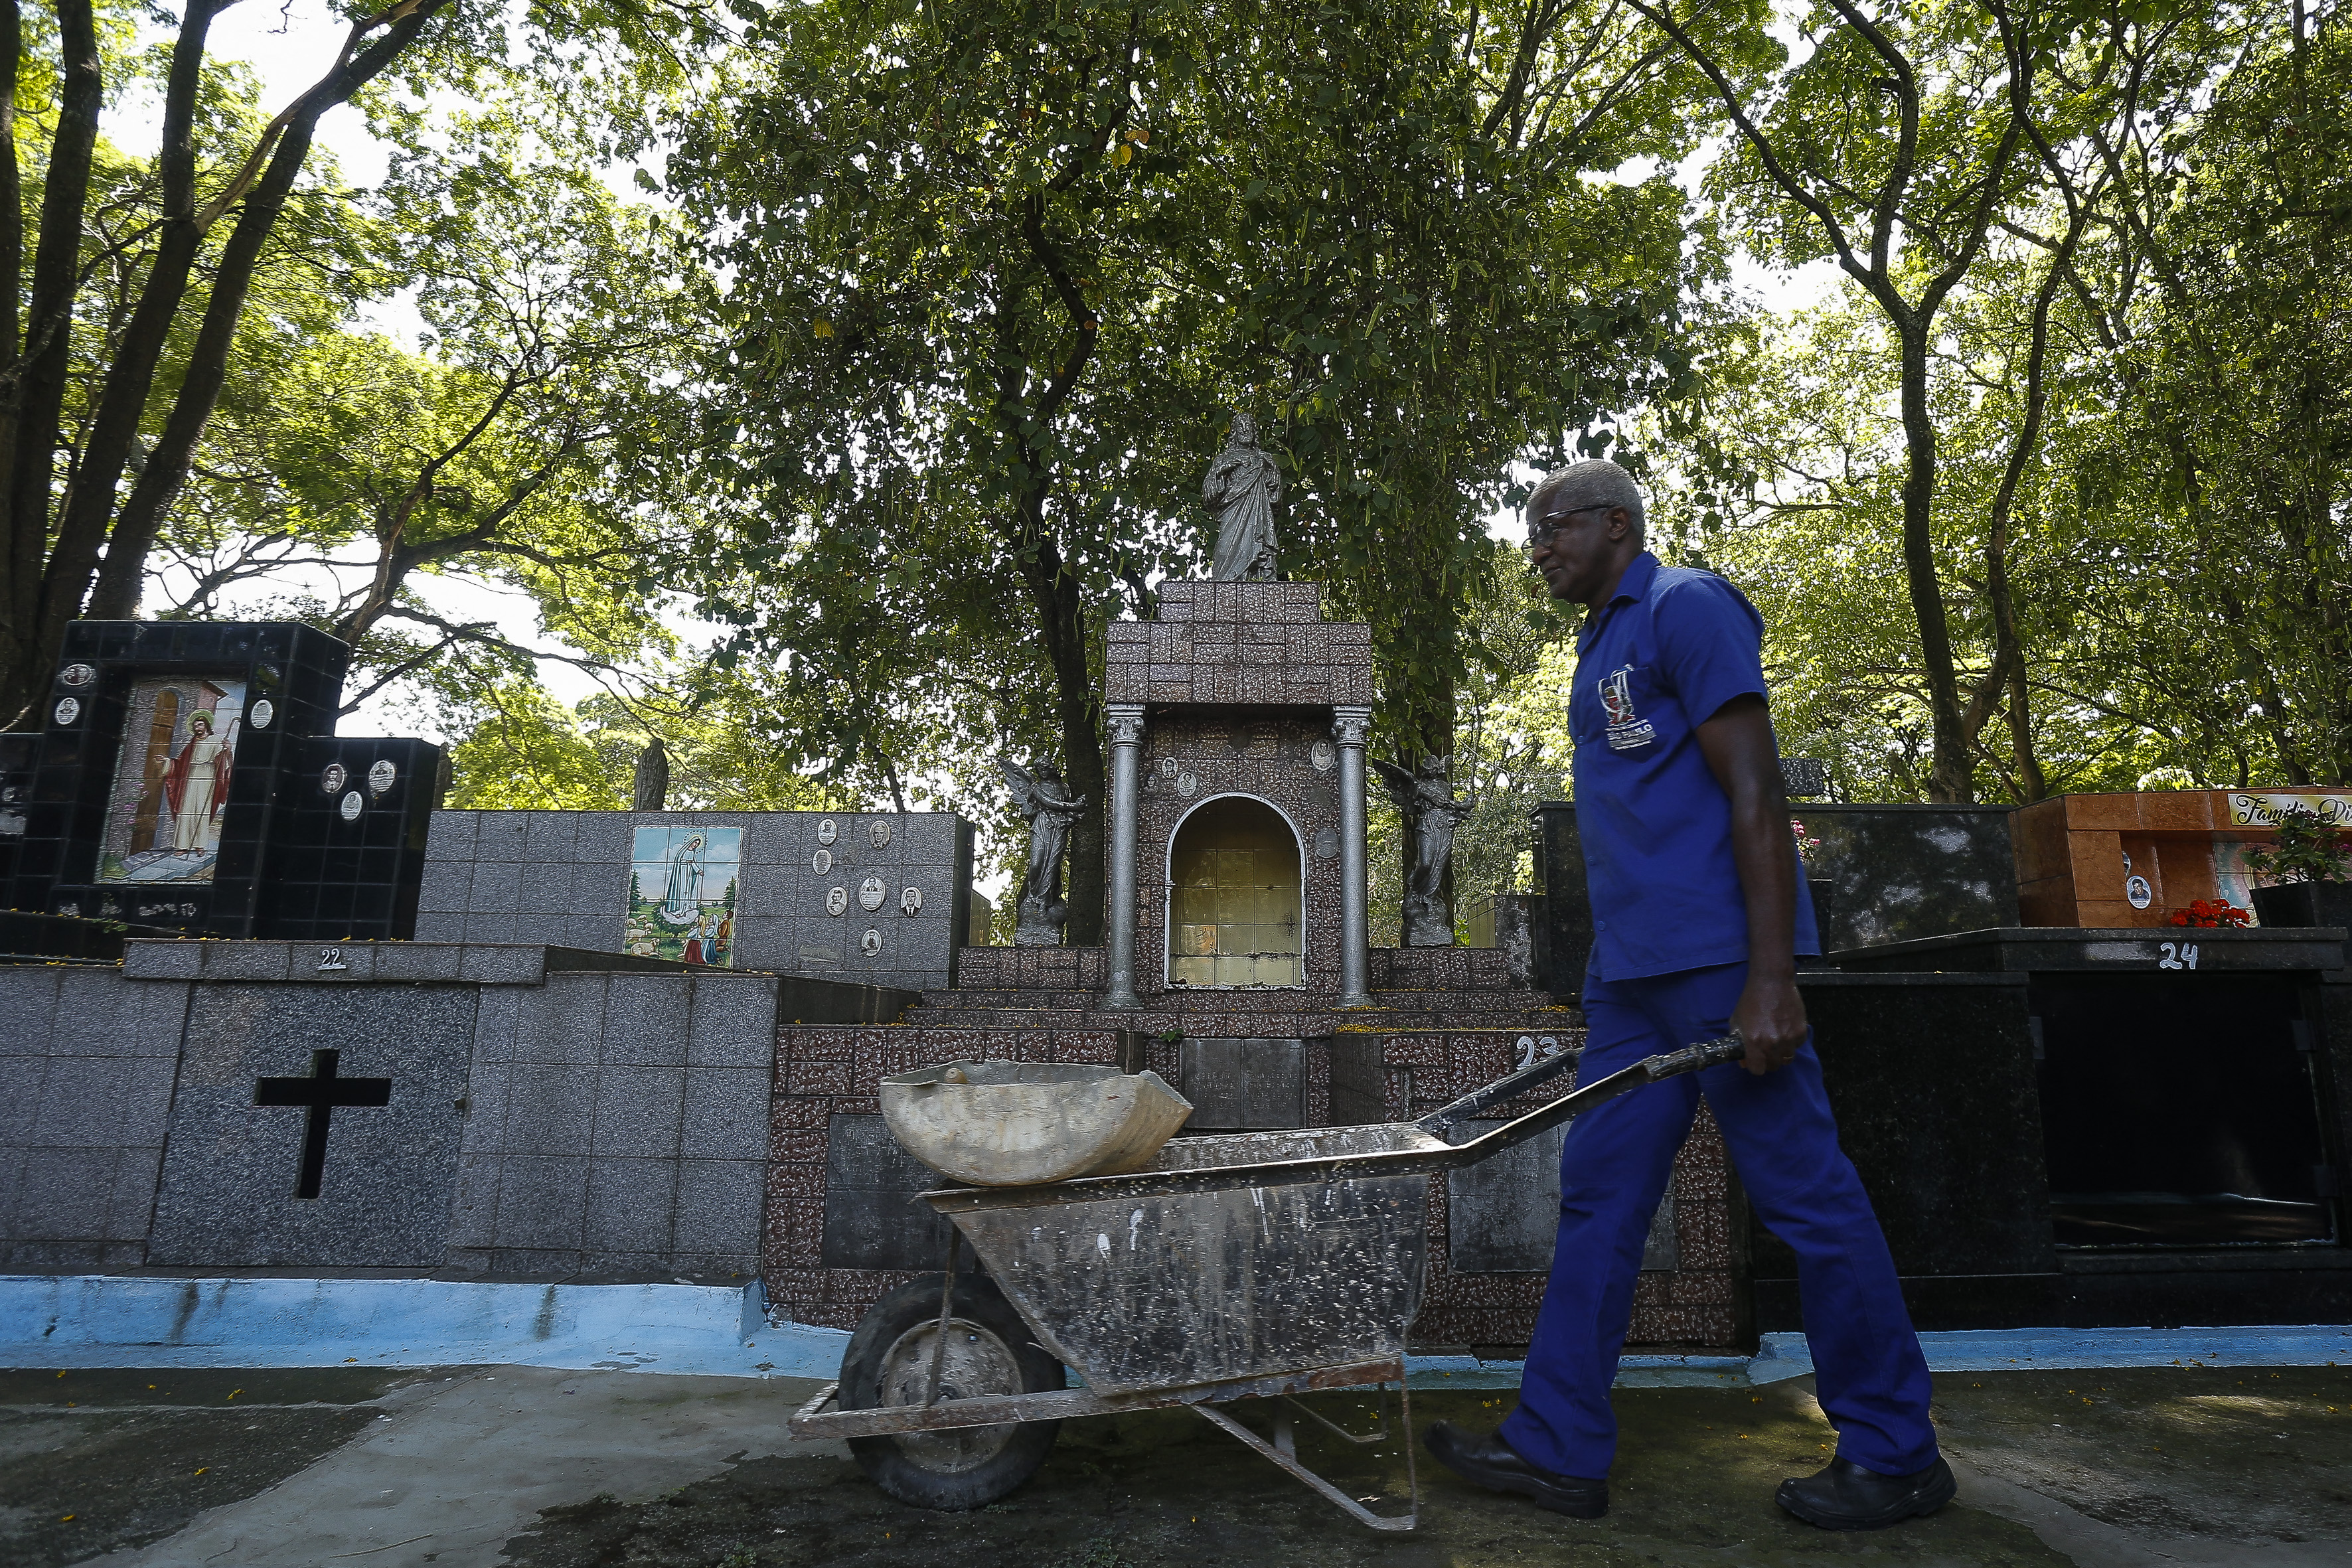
1495, 1465
1847, 1496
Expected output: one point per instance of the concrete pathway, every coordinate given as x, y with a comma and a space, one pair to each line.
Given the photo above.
440, 1469
533, 1467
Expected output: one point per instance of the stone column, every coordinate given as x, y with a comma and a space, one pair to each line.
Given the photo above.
1126, 748
1352, 726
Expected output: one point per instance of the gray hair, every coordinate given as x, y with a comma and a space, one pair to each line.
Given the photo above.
1594, 482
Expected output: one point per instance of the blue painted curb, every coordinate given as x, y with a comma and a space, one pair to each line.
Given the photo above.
2022, 1350
96, 1320
78, 1320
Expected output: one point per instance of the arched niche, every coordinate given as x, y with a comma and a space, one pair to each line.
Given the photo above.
1236, 913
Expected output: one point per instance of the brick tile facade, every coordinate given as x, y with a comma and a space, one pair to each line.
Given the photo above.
1694, 1304
1232, 675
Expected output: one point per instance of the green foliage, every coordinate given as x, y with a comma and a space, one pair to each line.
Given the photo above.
531, 445
2305, 848
908, 379
528, 754
2178, 604
1427, 285
1002, 270
142, 291
717, 758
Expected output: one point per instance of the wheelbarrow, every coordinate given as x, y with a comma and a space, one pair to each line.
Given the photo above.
1253, 1266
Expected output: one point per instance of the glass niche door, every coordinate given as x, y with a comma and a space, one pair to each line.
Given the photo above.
1233, 897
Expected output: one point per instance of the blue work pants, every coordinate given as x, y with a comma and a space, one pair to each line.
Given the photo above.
1868, 1371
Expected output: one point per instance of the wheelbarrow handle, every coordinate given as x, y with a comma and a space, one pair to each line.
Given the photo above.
1544, 1118
1502, 1091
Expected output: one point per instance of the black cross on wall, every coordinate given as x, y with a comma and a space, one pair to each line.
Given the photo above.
319, 1094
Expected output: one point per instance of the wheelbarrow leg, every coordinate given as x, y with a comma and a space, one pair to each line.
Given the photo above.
1404, 1419
1282, 1452
1378, 1434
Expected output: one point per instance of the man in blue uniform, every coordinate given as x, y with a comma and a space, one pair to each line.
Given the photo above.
1699, 915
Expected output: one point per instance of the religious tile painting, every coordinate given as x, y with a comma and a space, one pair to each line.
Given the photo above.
171, 782
682, 887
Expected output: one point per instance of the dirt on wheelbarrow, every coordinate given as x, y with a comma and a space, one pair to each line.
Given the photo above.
1693, 1485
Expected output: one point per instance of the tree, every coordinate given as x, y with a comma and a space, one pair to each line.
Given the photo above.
935, 215
186, 271
1428, 282
2225, 319
2136, 398
1002, 270
532, 446
1891, 147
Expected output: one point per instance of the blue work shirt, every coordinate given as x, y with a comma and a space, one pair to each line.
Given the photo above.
1668, 650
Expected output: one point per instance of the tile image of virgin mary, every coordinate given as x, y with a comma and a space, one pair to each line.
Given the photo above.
682, 890
195, 787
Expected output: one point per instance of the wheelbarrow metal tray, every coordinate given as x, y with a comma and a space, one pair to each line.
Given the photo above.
1272, 1270
1252, 1254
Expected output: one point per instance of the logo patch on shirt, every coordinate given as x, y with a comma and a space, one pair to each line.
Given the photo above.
1628, 732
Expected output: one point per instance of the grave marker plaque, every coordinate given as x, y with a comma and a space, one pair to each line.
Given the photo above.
362, 1178
872, 1216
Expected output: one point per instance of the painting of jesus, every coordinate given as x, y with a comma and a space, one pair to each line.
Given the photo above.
172, 782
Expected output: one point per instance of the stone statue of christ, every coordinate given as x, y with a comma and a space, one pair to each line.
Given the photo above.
1241, 488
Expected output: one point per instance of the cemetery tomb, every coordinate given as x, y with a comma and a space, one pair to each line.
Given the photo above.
1877, 874
870, 898
2109, 861
649, 1045
188, 776
2186, 1096
2065, 1111
2185, 1114
458, 1111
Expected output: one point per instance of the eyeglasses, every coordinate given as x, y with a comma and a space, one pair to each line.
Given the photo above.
1539, 538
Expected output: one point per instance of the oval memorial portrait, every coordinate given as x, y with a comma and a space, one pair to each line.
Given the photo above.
1235, 912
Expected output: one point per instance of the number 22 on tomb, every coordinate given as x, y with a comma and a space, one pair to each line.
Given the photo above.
681, 898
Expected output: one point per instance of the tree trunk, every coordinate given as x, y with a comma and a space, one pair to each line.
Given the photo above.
2032, 783
73, 559
40, 391
120, 576
2008, 647
1428, 733
20, 549
1062, 623
1952, 778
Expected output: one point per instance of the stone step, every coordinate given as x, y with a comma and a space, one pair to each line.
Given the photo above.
1264, 1026
1401, 968
1235, 1002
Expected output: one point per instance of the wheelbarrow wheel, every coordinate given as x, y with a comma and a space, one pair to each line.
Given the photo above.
989, 1351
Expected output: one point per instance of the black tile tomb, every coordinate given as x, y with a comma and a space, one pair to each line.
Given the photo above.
2190, 1092
1879, 874
316, 836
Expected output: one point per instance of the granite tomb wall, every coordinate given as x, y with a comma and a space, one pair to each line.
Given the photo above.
820, 893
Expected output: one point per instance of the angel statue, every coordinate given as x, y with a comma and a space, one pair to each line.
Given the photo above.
1427, 801
1045, 801
1241, 488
